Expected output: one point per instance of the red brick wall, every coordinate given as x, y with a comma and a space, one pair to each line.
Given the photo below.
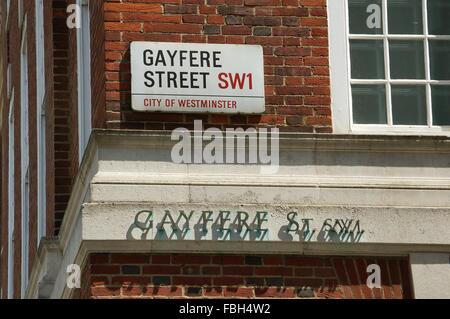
49, 117
293, 33
14, 59
12, 55
62, 92
4, 159
98, 78
15, 33
29, 10
176, 276
56, 127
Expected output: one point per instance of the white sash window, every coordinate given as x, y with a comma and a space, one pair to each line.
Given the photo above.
390, 65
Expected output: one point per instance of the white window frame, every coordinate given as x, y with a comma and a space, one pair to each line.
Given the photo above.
11, 192
20, 11
340, 69
84, 77
9, 80
41, 144
8, 6
25, 162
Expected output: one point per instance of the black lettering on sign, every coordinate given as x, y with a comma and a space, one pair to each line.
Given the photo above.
182, 58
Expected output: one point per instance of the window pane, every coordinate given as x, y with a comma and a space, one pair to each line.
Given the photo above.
441, 104
365, 16
409, 106
367, 58
407, 60
440, 60
405, 16
369, 104
439, 17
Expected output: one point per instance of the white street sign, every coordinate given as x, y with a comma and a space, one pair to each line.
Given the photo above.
197, 78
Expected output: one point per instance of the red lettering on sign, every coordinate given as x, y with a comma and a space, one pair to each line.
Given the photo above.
236, 81
223, 84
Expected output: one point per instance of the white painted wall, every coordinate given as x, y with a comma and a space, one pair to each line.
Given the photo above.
431, 275
398, 187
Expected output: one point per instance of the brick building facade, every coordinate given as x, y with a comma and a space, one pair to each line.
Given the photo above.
75, 169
